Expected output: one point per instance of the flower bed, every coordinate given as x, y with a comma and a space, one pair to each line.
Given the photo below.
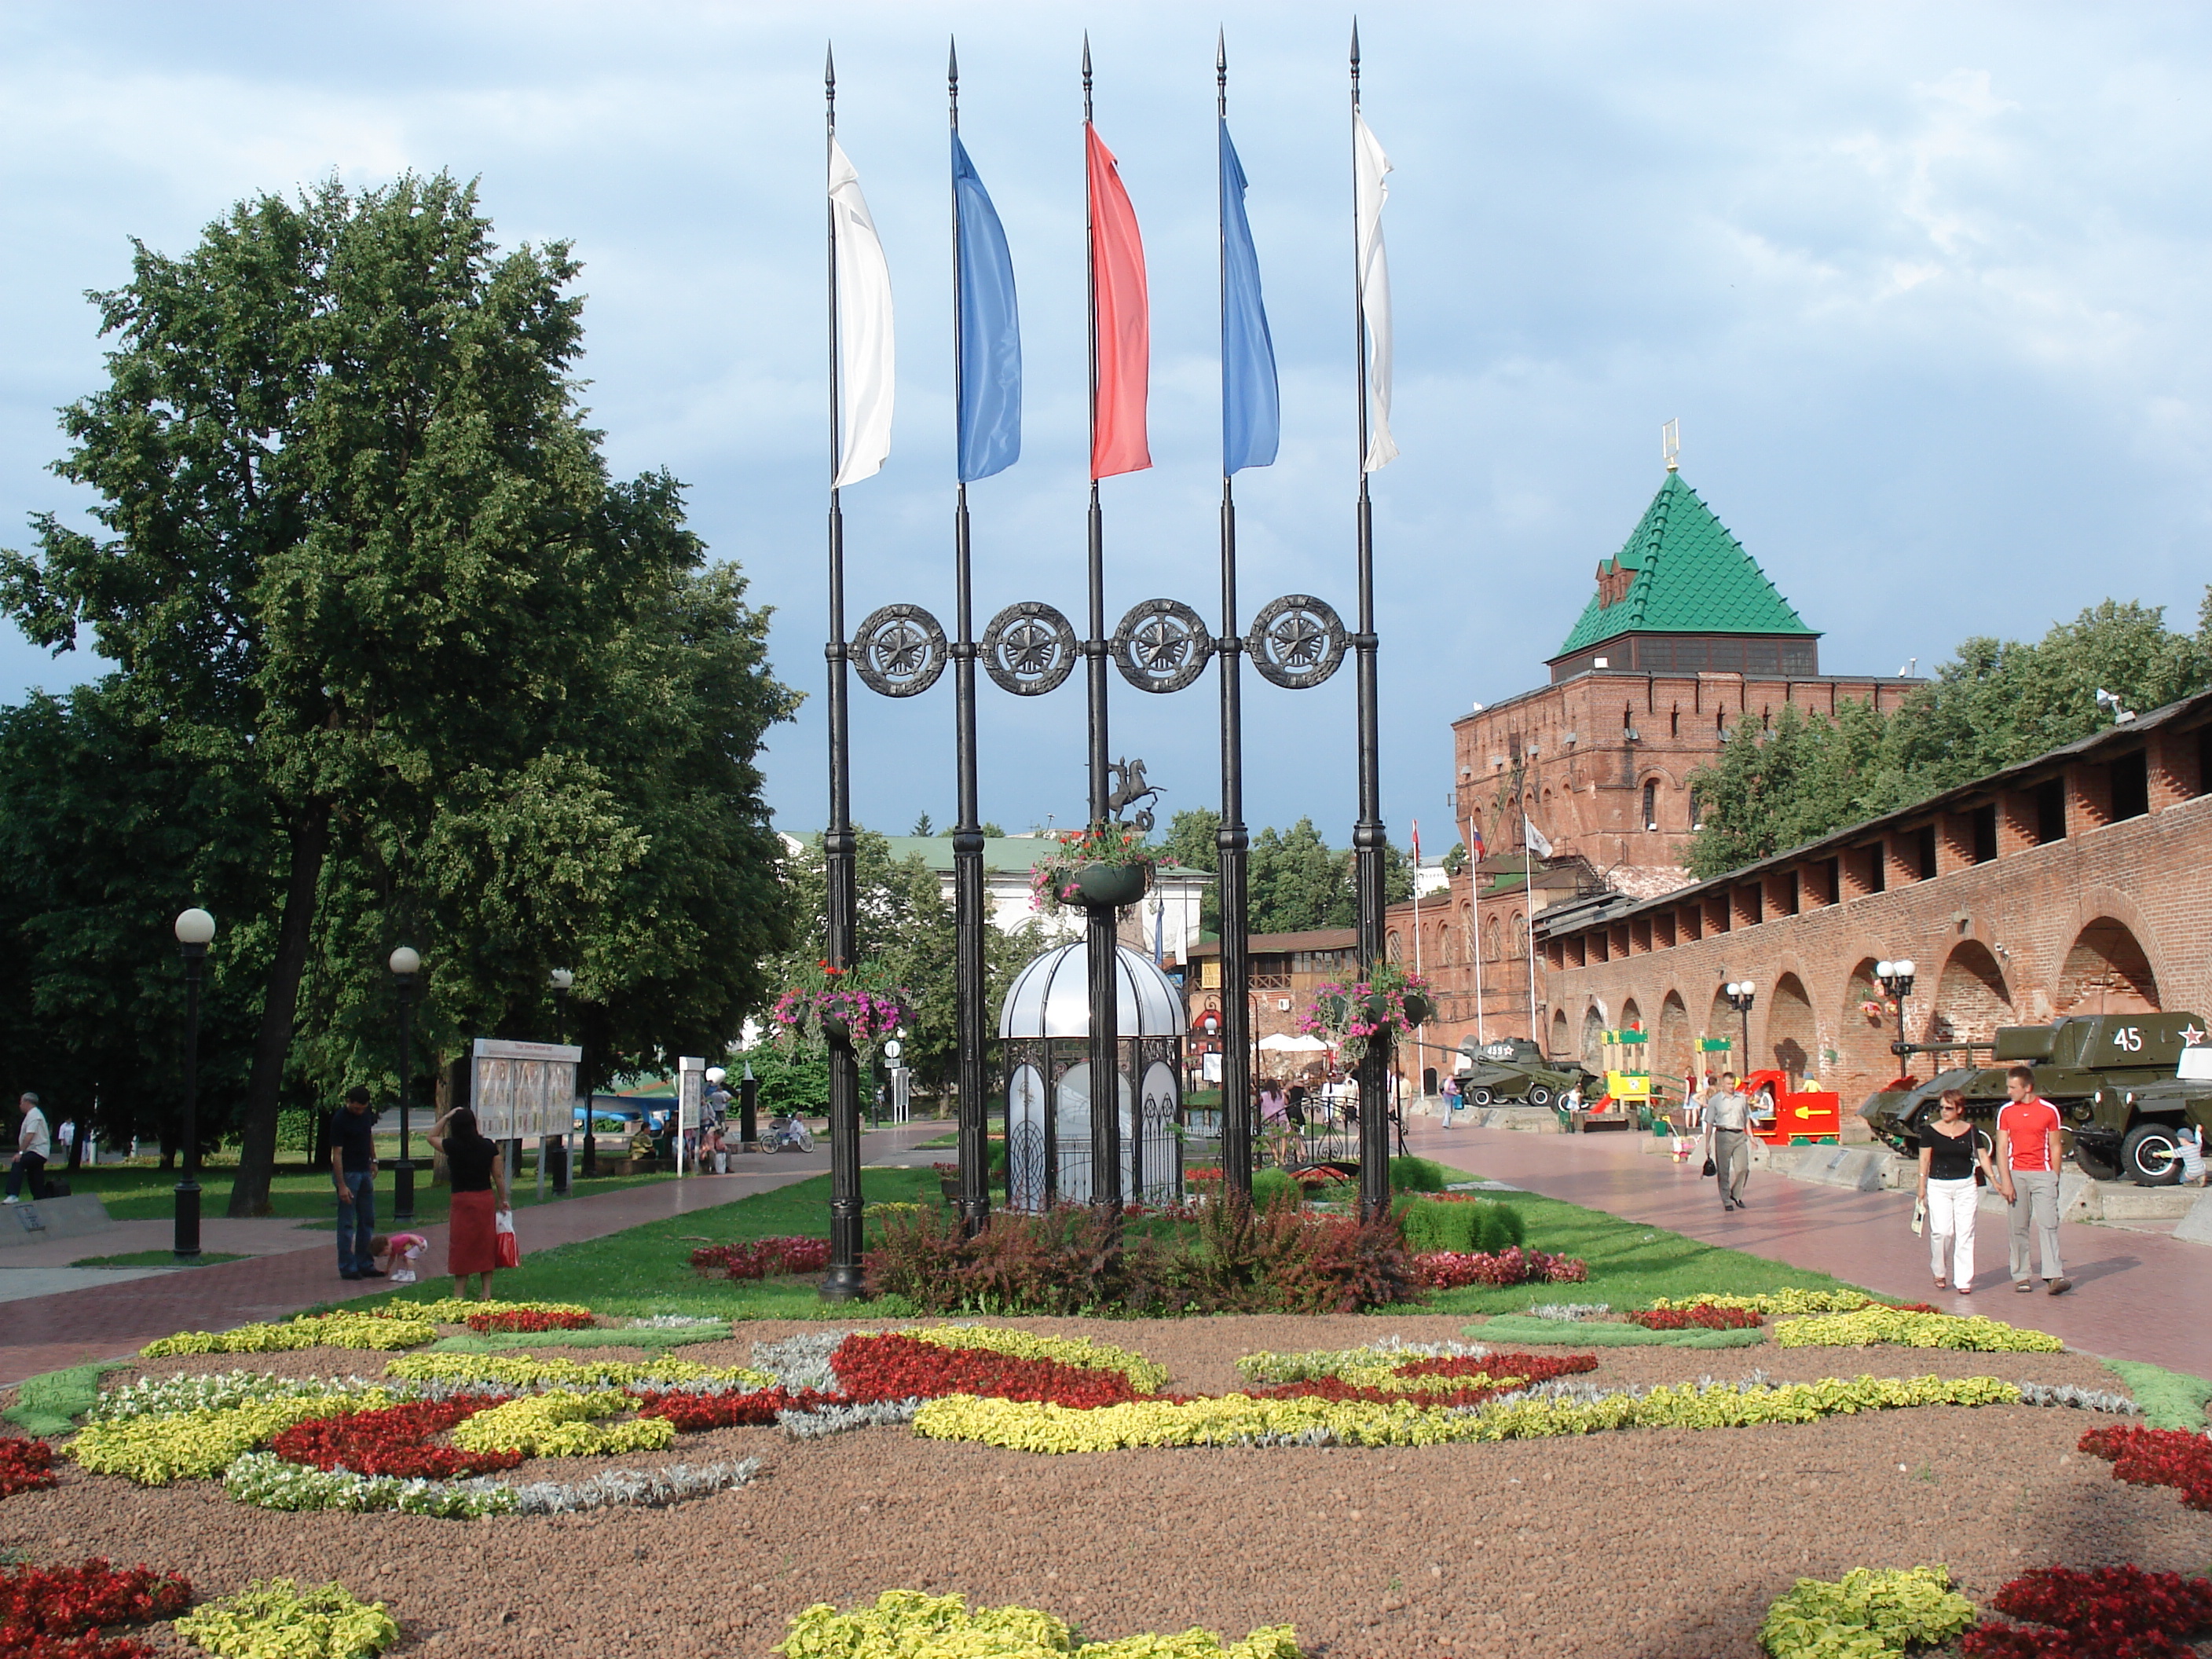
277, 1620
1913, 1329
2113, 1612
1444, 1270
61, 1613
392, 1440
1865, 1615
453, 1309
25, 1464
910, 1623
904, 1367
522, 1372
762, 1258
1705, 1317
2157, 1457
1778, 1302
559, 1425
528, 1321
198, 1445
377, 1331
1083, 1353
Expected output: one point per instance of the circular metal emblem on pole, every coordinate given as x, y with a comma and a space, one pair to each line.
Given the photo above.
1029, 649
900, 650
1297, 641
1162, 645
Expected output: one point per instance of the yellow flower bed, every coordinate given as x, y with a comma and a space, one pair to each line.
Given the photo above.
1778, 1302
1975, 1334
337, 1330
522, 1372
455, 1310
909, 1624
1866, 1614
200, 1445
277, 1620
559, 1425
1237, 1420
1143, 1375
1362, 1368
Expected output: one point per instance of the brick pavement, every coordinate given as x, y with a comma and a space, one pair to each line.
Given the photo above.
112, 1320
2137, 1296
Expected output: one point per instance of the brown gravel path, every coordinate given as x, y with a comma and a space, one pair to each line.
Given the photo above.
1647, 1545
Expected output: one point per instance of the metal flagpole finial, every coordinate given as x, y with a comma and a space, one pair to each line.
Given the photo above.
1086, 74
1221, 73
1670, 444
830, 69
952, 68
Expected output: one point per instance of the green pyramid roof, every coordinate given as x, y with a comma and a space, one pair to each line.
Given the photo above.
1687, 574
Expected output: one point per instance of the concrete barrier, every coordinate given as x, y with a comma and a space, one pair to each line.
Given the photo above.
2196, 1225
34, 1222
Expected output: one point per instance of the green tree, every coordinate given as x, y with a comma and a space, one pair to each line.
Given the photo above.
922, 826
364, 557
1192, 840
1455, 859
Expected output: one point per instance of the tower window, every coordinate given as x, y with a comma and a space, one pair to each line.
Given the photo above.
1652, 806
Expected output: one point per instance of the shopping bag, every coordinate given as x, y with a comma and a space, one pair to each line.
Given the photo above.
1919, 1215
508, 1254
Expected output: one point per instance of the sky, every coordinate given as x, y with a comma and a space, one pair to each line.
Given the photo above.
1925, 287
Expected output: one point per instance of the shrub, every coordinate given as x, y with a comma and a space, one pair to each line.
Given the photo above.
761, 1258
2113, 1612
41, 1605
1445, 1270
1867, 1614
912, 1623
278, 1620
25, 1464
1417, 1175
2157, 1457
1273, 1187
295, 1131
1483, 1225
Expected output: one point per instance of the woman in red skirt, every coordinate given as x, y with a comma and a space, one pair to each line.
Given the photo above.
478, 1173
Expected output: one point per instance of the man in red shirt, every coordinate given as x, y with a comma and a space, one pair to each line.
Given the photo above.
2027, 1165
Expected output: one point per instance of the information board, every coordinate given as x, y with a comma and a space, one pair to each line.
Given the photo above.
691, 1089
522, 1091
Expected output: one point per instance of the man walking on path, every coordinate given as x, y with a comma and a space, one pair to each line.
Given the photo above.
1728, 1141
2027, 1156
32, 1147
353, 1167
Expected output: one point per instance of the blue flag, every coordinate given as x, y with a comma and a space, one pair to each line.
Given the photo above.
990, 331
1251, 404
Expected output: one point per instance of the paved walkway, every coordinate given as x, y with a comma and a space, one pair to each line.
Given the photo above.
2136, 1296
114, 1318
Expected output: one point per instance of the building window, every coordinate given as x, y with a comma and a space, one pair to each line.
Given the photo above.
2130, 785
1674, 721
1520, 934
1984, 823
1397, 951
2049, 811
1923, 849
1650, 806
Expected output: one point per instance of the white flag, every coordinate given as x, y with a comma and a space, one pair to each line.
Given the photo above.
1534, 838
865, 357
1370, 192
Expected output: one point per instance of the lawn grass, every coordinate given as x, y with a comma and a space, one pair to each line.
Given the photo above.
646, 1269
158, 1259
1630, 1264
134, 1192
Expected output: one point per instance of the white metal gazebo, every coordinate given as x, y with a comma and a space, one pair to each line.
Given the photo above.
1044, 1030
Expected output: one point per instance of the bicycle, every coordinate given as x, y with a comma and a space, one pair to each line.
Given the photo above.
787, 1135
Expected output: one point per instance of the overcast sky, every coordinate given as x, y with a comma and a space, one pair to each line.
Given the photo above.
1926, 286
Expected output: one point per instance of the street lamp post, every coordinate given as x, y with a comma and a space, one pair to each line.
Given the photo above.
405, 964
1896, 979
1740, 994
195, 930
563, 980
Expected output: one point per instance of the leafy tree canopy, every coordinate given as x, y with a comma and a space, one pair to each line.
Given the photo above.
1296, 881
1997, 702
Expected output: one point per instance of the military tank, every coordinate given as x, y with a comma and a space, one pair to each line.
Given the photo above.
1514, 1071
2073, 1059
2135, 1131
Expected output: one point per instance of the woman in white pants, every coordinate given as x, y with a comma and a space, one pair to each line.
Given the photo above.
1950, 1150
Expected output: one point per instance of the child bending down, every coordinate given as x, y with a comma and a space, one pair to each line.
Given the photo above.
400, 1251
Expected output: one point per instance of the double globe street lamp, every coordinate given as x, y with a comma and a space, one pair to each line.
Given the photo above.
405, 964
195, 930
1896, 979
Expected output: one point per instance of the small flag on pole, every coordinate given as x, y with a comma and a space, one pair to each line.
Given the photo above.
990, 331
1251, 399
1416, 848
1370, 190
1122, 318
1474, 841
866, 363
1534, 838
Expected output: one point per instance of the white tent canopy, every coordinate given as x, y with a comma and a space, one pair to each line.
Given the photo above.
1296, 1045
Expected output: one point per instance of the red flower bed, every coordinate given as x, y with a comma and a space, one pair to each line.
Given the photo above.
2157, 1457
58, 1613
1445, 1270
24, 1466
1530, 1368
691, 1413
761, 1258
392, 1440
879, 1368
526, 1320
1704, 1316
2113, 1612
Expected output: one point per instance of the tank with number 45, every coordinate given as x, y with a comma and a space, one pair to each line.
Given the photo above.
2135, 1130
2073, 1059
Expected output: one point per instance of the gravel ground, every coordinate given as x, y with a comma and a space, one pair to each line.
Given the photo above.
1651, 1545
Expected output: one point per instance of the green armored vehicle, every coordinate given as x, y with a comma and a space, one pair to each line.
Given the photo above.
2073, 1059
1514, 1071
2133, 1130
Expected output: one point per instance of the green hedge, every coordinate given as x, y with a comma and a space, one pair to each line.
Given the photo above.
1483, 1225
1418, 1175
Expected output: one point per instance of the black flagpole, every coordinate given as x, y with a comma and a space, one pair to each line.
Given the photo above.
843, 1282
1367, 838
1099, 943
966, 833
1232, 842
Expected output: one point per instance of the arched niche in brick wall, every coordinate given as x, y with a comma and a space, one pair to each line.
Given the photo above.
2106, 973
1971, 1000
1863, 1039
1593, 1036
1793, 1036
1722, 1021
1559, 1044
1631, 1015
1673, 1057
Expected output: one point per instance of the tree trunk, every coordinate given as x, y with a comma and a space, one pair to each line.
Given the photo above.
310, 836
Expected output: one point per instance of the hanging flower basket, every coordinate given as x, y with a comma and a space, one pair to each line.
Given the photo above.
1106, 866
1875, 1011
1353, 1017
835, 1008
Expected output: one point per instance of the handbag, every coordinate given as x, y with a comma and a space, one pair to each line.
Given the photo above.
505, 1251
1711, 1168
1919, 1215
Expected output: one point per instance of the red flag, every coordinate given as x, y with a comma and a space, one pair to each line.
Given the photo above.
1123, 318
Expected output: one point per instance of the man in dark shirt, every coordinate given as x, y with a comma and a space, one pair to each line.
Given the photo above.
353, 1168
